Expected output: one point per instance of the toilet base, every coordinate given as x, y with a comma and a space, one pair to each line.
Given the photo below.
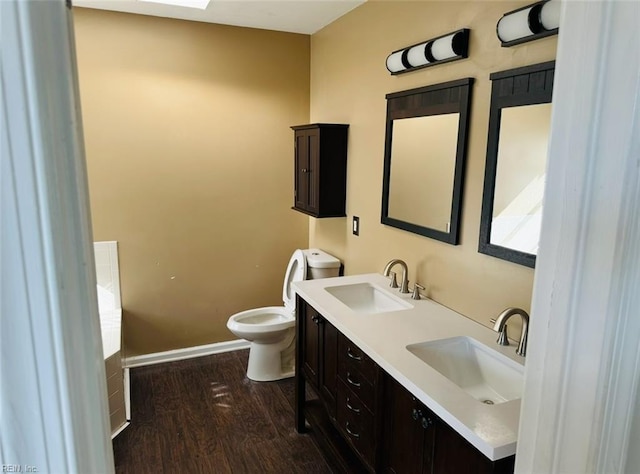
268, 362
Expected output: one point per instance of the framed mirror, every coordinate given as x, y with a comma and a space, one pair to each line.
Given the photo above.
424, 157
519, 124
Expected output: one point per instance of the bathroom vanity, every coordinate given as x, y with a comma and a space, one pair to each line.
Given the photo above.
386, 395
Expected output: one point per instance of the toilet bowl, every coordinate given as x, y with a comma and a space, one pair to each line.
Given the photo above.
271, 330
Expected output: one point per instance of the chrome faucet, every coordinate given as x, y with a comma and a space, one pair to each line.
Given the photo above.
404, 286
501, 326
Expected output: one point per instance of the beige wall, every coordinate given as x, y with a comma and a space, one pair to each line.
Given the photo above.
348, 85
190, 164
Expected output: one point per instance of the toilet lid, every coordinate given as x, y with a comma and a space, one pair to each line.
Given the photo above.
296, 271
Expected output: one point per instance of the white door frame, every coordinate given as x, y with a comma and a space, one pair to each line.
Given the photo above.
53, 400
584, 347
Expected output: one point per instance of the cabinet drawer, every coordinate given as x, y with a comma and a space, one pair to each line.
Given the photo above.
356, 360
356, 423
358, 384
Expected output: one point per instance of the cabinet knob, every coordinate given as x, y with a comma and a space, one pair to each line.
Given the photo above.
416, 414
426, 422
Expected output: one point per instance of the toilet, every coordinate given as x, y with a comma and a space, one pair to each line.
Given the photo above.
271, 330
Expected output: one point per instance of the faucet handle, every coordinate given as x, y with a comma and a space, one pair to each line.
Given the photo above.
416, 292
503, 338
394, 281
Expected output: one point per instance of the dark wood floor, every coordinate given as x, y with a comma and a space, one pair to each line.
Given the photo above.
204, 416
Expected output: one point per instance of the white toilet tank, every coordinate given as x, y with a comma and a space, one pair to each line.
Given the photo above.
321, 265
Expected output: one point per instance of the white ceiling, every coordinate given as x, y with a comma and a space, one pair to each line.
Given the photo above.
295, 16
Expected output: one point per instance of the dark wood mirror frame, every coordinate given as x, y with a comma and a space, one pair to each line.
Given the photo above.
527, 85
444, 98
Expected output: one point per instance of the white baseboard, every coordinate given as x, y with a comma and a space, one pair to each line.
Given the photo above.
186, 353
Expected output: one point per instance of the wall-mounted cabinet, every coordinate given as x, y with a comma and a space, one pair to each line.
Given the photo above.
320, 187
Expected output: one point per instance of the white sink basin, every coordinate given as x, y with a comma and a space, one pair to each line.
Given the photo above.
482, 372
367, 298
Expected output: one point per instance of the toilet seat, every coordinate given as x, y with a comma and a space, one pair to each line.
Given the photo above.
262, 323
272, 319
296, 271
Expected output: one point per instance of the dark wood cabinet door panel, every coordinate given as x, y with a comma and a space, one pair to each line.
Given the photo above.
311, 341
301, 165
328, 366
404, 437
455, 455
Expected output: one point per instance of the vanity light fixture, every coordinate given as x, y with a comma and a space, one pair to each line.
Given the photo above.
442, 49
529, 23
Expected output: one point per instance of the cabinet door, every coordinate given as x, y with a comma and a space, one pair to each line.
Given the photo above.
307, 160
328, 379
455, 455
311, 344
405, 436
417, 441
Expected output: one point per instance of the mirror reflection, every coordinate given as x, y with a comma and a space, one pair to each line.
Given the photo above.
423, 158
520, 177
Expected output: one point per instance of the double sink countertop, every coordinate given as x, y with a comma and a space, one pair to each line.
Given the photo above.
492, 429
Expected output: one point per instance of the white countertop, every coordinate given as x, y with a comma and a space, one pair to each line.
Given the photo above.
492, 429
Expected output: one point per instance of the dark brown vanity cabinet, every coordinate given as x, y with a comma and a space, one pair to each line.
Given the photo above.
318, 358
417, 441
320, 169
365, 420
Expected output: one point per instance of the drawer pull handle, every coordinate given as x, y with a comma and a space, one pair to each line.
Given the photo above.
416, 414
352, 355
355, 435
426, 422
352, 382
352, 408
